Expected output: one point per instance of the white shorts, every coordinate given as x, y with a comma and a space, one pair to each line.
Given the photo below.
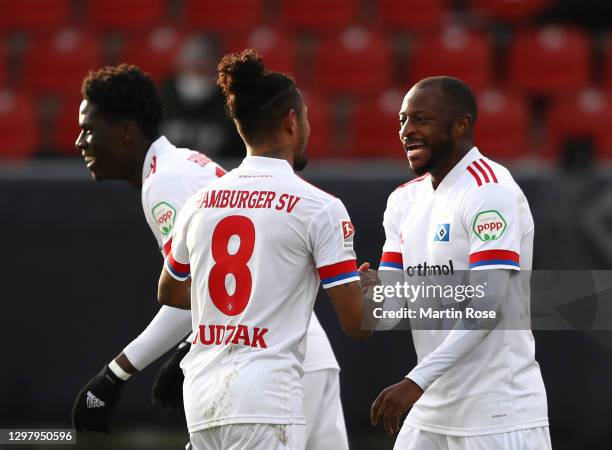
251, 436
325, 427
411, 438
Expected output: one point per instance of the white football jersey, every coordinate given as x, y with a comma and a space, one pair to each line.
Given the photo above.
256, 242
170, 176
477, 219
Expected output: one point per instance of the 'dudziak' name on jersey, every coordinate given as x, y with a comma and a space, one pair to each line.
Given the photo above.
236, 199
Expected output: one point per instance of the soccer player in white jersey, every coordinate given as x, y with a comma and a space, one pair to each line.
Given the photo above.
471, 389
252, 248
119, 117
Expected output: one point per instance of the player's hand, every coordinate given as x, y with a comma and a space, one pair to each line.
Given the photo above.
94, 406
368, 277
392, 403
167, 393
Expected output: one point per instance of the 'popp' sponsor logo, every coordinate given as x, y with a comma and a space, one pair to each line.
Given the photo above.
164, 215
489, 225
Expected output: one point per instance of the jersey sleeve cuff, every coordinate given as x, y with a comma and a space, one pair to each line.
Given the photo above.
419, 380
494, 259
177, 270
338, 273
391, 261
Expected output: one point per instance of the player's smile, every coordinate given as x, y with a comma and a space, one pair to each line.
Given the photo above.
89, 159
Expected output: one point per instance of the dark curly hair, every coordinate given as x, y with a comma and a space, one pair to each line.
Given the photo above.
127, 92
255, 97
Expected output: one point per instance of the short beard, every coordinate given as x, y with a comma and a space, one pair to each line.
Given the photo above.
439, 152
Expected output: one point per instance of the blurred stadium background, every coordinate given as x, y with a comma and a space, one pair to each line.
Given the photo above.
542, 70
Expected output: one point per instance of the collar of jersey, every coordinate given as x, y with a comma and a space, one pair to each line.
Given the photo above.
158, 145
263, 162
458, 170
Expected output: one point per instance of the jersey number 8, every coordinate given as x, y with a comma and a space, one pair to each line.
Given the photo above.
235, 264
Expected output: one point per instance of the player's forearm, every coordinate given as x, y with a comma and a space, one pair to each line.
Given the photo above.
466, 335
167, 328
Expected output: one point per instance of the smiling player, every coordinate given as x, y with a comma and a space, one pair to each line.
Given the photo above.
471, 389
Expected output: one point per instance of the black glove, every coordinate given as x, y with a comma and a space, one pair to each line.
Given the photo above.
94, 406
167, 392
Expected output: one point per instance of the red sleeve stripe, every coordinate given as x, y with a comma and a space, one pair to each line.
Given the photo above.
338, 271
167, 247
475, 175
178, 269
494, 257
484, 163
482, 171
392, 259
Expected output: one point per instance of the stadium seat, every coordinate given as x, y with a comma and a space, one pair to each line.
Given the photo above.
455, 52
550, 61
318, 15
66, 126
279, 50
3, 64
129, 16
18, 125
223, 17
58, 65
502, 126
320, 117
154, 53
587, 114
355, 61
511, 11
410, 15
33, 15
375, 126
607, 75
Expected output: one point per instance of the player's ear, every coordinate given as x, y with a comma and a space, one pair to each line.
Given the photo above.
291, 122
463, 125
128, 130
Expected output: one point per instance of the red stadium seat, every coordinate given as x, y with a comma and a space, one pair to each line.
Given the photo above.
608, 62
411, 15
279, 50
455, 52
34, 15
587, 114
223, 17
155, 53
18, 125
320, 116
375, 126
550, 61
502, 126
511, 10
318, 15
356, 61
66, 126
3, 64
58, 65
130, 15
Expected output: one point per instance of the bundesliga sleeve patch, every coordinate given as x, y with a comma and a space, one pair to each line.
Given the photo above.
348, 233
489, 225
164, 215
